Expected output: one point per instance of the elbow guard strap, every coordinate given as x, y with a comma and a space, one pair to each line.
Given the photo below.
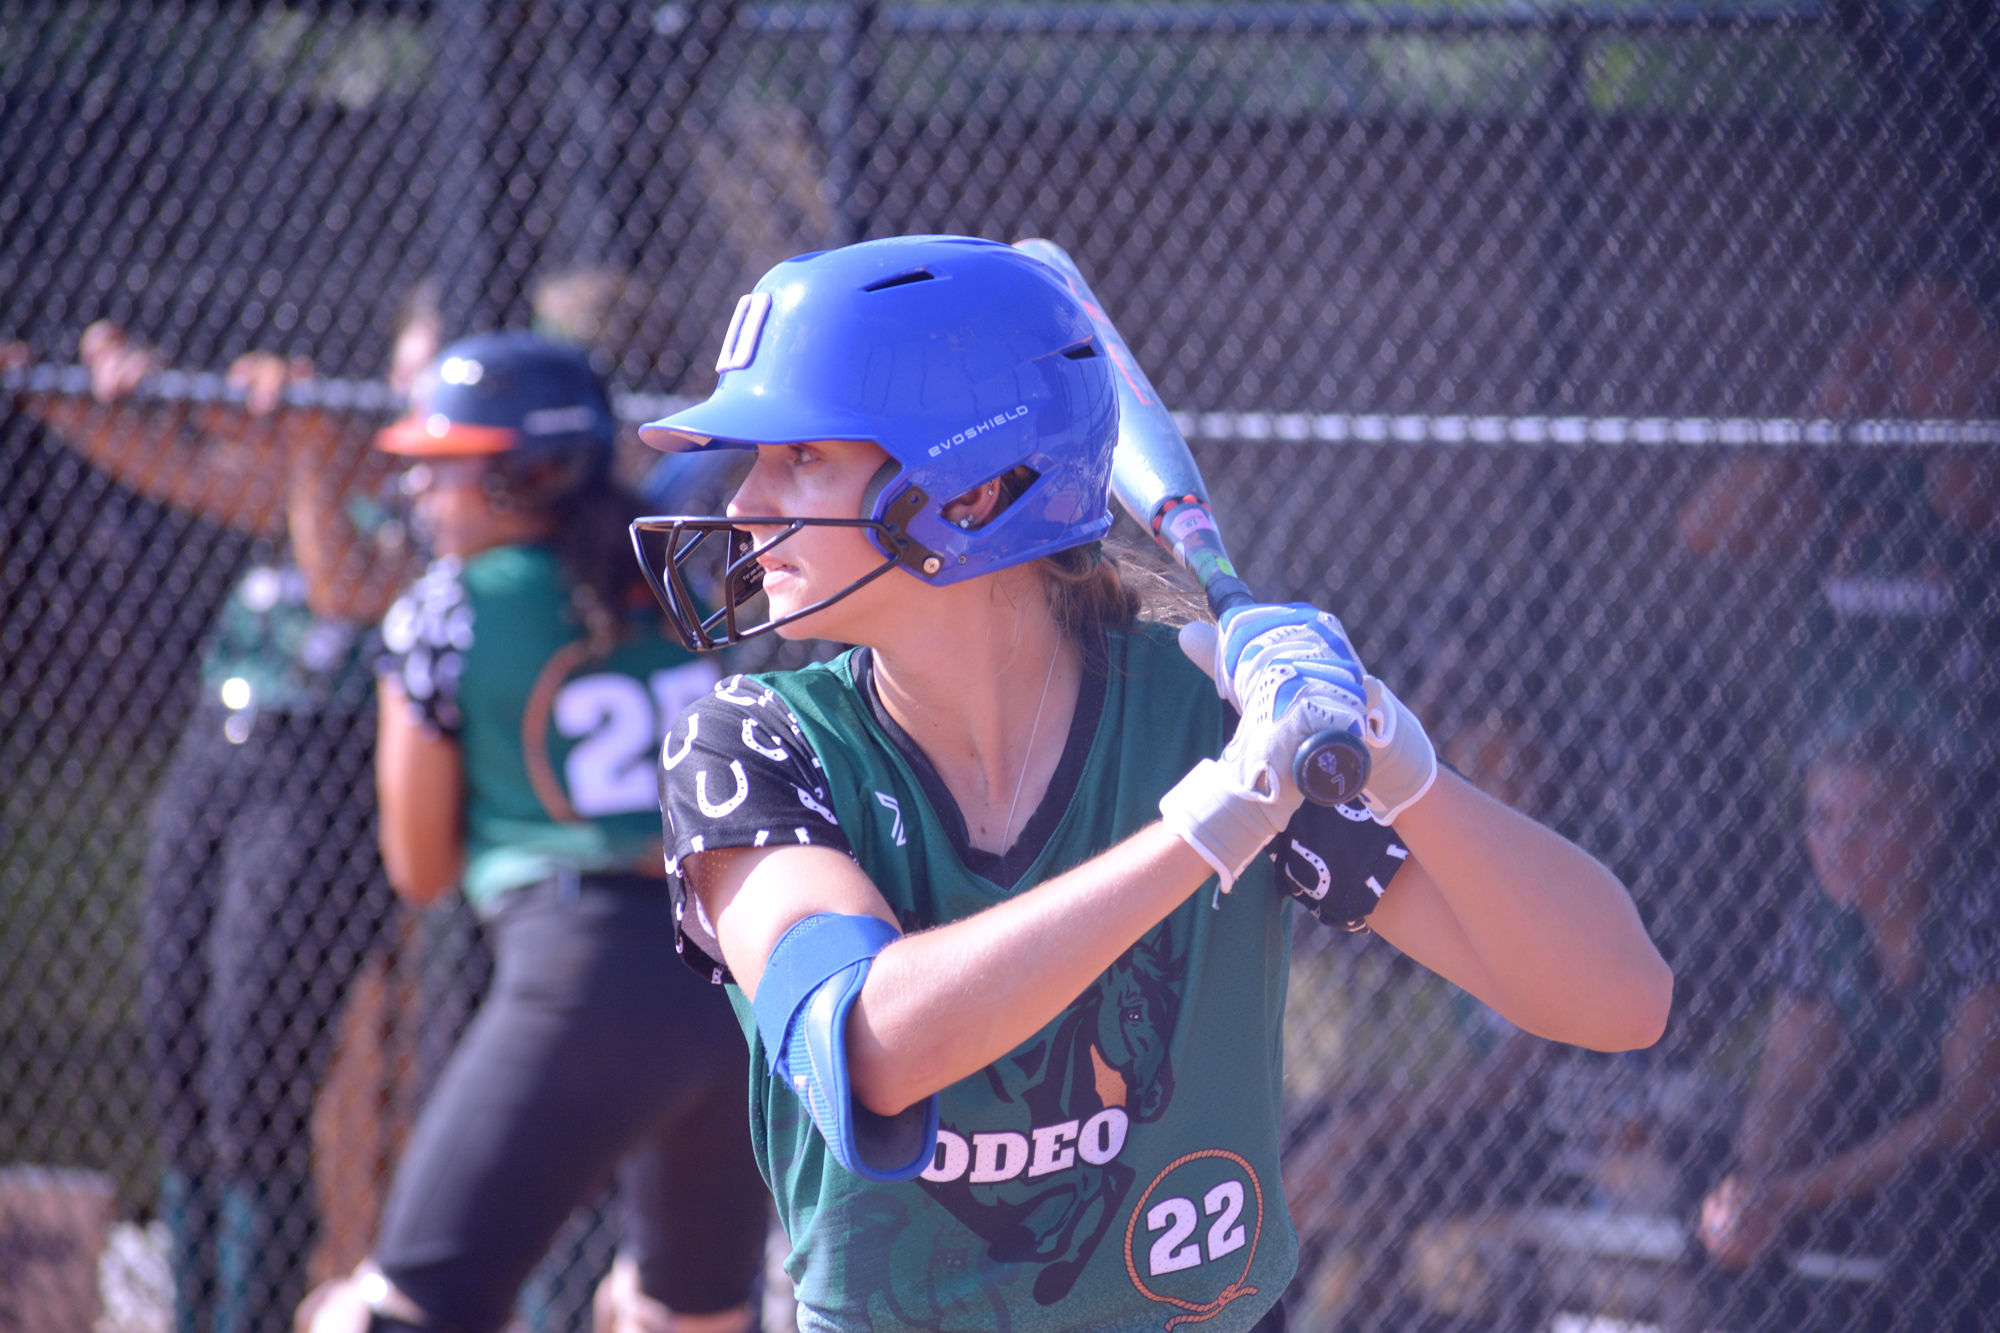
810, 981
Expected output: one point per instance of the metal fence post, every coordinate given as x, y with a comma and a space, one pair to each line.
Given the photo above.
1564, 189
849, 50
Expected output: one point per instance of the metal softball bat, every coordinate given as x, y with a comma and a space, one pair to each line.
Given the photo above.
1154, 477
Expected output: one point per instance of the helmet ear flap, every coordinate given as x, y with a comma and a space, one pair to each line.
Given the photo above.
891, 534
872, 497
883, 476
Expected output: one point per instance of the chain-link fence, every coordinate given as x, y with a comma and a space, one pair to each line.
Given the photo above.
1626, 375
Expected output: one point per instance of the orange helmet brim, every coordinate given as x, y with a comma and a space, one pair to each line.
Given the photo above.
436, 436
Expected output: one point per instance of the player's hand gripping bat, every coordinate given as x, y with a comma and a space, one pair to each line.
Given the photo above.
1156, 480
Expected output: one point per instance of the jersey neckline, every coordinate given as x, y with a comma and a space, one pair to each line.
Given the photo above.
1001, 868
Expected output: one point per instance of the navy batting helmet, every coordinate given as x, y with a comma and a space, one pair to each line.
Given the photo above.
531, 405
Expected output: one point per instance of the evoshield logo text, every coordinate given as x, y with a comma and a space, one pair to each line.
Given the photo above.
978, 429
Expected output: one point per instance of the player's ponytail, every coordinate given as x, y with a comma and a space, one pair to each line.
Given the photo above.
590, 543
1110, 585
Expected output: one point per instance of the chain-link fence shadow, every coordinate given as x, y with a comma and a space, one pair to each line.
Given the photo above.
1627, 376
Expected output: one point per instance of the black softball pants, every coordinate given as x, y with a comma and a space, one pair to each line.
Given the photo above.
263, 898
596, 1052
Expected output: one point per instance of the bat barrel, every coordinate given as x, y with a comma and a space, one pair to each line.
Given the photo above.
1156, 480
1151, 464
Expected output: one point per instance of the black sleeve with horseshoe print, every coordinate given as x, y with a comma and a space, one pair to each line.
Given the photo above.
736, 771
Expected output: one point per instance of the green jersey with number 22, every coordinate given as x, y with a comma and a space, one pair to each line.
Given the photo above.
1118, 1170
559, 743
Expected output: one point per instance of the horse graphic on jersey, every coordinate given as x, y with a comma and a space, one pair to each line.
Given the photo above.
1111, 1048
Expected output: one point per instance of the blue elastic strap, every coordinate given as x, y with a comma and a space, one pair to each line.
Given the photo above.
810, 981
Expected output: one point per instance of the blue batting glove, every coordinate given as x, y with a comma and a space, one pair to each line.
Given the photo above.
1249, 638
1265, 659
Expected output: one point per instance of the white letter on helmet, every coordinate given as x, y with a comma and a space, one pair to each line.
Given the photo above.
739, 345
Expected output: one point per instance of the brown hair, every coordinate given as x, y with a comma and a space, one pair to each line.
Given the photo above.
1105, 585
1111, 585
591, 543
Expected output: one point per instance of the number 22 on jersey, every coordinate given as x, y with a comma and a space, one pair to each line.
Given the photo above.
618, 722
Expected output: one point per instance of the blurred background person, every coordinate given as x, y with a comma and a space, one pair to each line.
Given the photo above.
1873, 582
264, 895
1864, 1194
524, 698
1901, 620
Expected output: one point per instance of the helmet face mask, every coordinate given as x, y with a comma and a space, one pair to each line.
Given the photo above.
966, 361
675, 552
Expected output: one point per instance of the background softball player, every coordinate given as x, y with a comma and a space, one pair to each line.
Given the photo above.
523, 702
263, 892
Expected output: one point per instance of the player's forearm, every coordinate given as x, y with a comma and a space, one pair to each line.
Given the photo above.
348, 576
1965, 1114
419, 780
1802, 1043
1773, 1132
1540, 929
1769, 1124
943, 1004
162, 454
1868, 1166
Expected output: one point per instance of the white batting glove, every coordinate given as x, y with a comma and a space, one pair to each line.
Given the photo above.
1227, 809
1402, 762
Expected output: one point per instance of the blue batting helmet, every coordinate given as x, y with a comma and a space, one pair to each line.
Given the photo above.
965, 360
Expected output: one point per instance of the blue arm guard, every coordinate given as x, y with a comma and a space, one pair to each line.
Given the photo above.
810, 981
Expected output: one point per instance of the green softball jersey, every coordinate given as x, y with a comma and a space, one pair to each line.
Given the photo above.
1118, 1170
558, 742
269, 652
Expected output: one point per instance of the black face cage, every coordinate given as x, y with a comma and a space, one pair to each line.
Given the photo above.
688, 573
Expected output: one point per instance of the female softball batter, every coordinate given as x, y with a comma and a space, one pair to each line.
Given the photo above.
1009, 1069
